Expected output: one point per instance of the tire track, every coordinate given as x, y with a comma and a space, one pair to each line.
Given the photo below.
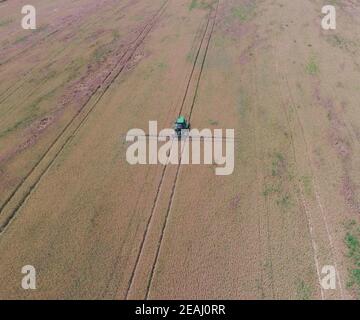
73, 119
16, 86
198, 36
268, 238
166, 166
58, 28
104, 86
313, 180
179, 165
302, 200
315, 186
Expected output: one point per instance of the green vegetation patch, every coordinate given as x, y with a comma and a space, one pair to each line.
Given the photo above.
243, 103
5, 22
20, 39
343, 43
115, 35
278, 164
213, 122
244, 12
162, 65
100, 53
303, 290
201, 4
279, 187
33, 113
352, 242
269, 190
312, 67
285, 201
154, 69
74, 68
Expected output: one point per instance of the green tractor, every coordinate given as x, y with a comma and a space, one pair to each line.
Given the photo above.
181, 126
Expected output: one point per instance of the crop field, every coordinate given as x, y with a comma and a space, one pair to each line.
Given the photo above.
95, 226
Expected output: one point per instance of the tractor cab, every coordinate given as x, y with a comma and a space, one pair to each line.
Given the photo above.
181, 125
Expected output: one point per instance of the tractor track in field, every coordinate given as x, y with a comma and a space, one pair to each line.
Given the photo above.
316, 188
30, 46
57, 29
178, 166
267, 219
54, 56
104, 86
16, 86
303, 201
199, 34
136, 209
313, 181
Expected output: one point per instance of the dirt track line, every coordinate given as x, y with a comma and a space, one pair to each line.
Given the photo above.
166, 166
84, 105
146, 231
268, 238
29, 47
44, 37
314, 183
255, 115
316, 188
162, 231
16, 86
199, 34
307, 212
303, 201
203, 62
194, 66
122, 64
305, 207
179, 165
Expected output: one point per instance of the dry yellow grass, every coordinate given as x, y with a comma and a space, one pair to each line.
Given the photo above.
95, 227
